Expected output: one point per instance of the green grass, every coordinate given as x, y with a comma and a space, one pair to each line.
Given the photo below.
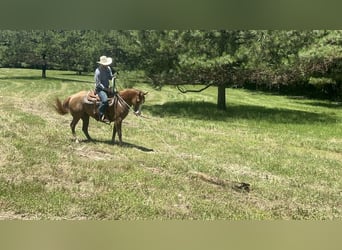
288, 149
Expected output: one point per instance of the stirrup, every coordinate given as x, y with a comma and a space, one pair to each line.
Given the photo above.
104, 119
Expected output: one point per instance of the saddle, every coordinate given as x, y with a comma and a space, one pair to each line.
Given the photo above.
94, 98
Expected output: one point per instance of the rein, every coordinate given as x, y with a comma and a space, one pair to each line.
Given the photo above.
129, 107
235, 185
119, 97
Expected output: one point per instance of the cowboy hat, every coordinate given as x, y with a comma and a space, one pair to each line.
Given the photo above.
105, 60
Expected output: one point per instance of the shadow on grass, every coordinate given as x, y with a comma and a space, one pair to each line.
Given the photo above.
124, 144
335, 105
76, 74
39, 78
208, 111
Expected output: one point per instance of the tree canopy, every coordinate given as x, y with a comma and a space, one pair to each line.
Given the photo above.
243, 58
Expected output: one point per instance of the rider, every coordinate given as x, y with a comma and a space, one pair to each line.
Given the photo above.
102, 76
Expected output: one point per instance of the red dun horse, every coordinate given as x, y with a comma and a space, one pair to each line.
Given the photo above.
81, 108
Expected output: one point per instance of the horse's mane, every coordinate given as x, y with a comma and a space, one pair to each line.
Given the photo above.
128, 92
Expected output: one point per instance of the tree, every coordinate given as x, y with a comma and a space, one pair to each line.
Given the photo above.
48, 48
16, 52
220, 60
273, 58
195, 57
323, 59
156, 53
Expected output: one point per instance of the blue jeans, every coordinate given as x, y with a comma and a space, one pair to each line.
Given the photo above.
104, 102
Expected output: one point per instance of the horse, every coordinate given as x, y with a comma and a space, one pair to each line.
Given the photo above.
80, 107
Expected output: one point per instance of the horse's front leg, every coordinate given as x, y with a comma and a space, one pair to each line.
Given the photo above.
114, 132
117, 129
119, 132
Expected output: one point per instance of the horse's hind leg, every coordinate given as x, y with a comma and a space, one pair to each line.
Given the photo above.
73, 124
85, 120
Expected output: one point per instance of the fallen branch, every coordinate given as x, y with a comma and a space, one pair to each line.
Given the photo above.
237, 186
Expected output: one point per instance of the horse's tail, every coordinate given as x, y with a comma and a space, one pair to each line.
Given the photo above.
62, 108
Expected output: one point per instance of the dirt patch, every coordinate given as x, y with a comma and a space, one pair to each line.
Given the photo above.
93, 154
9, 215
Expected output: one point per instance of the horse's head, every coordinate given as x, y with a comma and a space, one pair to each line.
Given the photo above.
133, 98
138, 101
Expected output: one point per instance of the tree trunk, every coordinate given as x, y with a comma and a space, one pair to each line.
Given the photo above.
221, 97
44, 66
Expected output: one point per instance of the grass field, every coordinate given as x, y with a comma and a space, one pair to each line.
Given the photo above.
288, 149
